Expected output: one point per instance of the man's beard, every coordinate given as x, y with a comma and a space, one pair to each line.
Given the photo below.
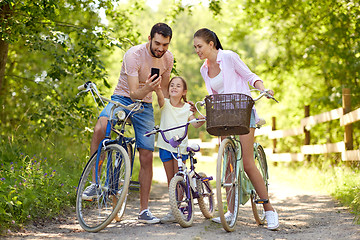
153, 53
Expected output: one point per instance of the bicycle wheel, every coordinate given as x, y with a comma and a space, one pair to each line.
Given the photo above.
261, 164
227, 184
181, 201
113, 183
206, 196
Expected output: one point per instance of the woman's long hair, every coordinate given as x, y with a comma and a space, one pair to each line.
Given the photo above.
208, 36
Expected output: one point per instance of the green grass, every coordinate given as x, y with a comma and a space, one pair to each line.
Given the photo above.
38, 180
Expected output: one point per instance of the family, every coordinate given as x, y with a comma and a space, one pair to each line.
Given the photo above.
223, 72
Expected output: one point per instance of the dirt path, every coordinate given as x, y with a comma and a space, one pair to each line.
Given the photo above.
303, 215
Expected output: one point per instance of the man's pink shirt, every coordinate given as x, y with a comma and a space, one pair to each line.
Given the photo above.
138, 62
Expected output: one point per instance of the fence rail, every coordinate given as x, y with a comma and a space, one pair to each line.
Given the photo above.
344, 114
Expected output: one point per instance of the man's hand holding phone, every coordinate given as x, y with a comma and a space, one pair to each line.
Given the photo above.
155, 71
154, 79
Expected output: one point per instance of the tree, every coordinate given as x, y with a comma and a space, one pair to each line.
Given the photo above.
49, 48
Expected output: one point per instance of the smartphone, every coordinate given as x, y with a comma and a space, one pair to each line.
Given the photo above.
155, 71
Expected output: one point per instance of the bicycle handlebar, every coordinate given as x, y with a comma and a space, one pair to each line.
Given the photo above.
264, 93
176, 140
90, 86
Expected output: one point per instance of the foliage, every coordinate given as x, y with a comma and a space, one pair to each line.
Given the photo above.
33, 186
48, 58
53, 46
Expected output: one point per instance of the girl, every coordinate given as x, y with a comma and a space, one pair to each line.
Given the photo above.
175, 111
224, 72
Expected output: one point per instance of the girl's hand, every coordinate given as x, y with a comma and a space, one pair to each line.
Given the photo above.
201, 116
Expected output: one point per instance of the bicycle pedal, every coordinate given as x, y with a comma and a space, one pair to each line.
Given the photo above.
261, 201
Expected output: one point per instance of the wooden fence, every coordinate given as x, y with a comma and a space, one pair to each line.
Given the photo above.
344, 114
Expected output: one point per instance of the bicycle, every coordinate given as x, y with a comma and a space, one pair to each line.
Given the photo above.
109, 168
233, 186
186, 185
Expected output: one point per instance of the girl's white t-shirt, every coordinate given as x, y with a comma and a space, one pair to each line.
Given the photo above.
172, 117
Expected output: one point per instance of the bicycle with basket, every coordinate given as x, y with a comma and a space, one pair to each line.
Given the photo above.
109, 169
229, 115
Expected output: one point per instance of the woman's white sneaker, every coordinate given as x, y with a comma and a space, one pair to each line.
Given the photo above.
272, 219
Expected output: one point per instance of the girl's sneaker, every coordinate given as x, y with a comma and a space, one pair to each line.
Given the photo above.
228, 216
272, 219
168, 218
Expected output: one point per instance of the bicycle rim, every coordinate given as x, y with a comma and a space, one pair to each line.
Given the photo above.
261, 164
113, 184
181, 201
227, 184
206, 196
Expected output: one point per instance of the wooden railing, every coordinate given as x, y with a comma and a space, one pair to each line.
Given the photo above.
344, 114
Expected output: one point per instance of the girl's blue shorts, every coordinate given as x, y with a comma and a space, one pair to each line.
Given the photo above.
166, 156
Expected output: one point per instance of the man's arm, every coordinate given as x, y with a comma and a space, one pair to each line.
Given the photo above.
141, 93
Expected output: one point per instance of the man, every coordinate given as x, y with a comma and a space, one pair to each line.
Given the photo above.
135, 82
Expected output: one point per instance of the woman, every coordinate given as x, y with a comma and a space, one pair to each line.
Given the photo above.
224, 72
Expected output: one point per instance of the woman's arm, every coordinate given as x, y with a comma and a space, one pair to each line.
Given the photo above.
259, 85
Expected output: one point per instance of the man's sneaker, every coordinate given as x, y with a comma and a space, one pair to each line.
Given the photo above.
90, 192
228, 216
168, 218
146, 217
272, 219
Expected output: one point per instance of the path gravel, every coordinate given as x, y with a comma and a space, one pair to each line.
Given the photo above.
302, 214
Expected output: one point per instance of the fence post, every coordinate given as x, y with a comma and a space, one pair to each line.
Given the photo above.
274, 128
307, 132
348, 136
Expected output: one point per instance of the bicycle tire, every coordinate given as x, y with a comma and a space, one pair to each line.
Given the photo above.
206, 196
114, 180
182, 205
227, 184
261, 164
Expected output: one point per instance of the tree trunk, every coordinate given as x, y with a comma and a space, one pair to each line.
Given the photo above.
4, 46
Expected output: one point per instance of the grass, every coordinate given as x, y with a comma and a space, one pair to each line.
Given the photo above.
38, 180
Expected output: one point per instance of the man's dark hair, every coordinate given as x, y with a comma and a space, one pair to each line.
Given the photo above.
161, 28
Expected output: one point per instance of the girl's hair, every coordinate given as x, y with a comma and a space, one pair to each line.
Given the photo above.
184, 85
208, 36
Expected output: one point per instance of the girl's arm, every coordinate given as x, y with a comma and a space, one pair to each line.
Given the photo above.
197, 124
160, 97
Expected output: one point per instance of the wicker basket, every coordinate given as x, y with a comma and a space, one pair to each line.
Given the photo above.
228, 114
